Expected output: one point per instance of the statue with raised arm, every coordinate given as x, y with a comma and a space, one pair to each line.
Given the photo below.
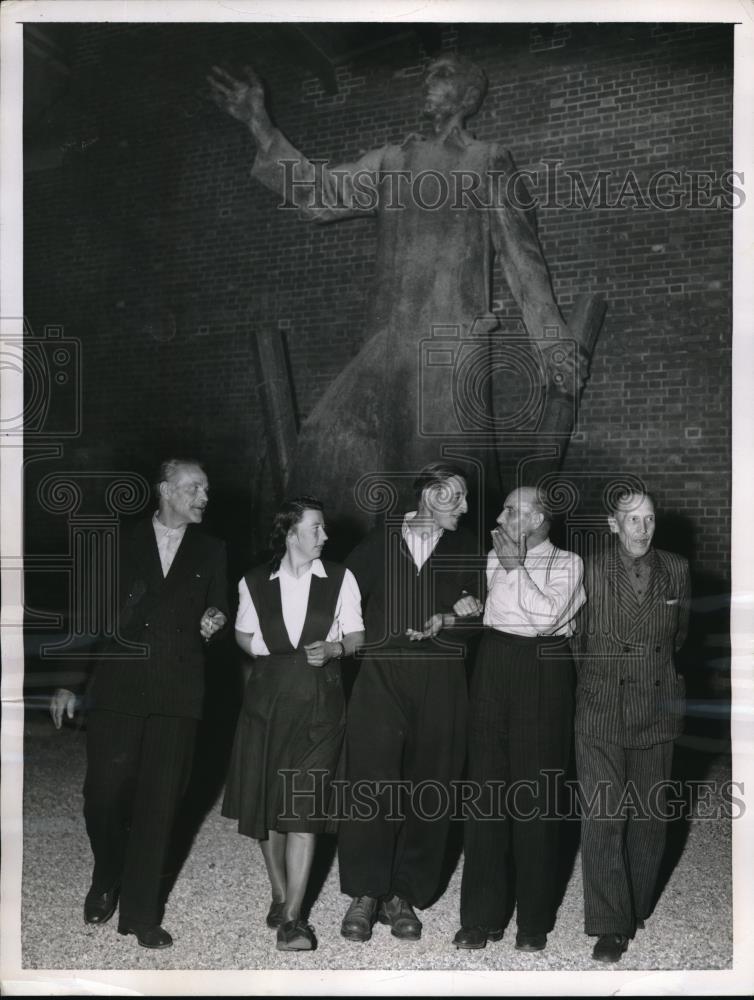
445, 205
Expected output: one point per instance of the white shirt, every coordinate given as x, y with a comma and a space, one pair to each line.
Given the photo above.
294, 597
421, 545
540, 598
168, 540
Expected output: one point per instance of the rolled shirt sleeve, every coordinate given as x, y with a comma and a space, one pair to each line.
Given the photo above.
247, 621
549, 606
540, 598
348, 616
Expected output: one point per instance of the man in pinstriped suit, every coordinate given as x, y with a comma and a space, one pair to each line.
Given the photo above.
629, 709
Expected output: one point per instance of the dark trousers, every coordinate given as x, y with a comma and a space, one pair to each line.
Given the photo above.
520, 717
137, 771
623, 835
406, 721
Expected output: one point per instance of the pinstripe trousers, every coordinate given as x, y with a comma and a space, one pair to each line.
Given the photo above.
137, 771
622, 835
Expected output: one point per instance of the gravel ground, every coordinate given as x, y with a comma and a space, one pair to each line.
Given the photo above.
217, 907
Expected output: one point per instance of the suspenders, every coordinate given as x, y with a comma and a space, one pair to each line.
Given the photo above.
550, 563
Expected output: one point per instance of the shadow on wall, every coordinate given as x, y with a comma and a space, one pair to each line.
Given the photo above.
705, 659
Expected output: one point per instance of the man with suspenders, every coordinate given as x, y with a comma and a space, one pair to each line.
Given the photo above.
520, 724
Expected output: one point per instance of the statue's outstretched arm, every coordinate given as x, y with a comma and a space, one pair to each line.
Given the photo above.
518, 249
322, 193
243, 100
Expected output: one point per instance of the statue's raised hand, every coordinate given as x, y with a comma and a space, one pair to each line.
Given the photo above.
243, 99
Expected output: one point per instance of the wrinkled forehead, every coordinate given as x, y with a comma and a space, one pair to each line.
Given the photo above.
521, 499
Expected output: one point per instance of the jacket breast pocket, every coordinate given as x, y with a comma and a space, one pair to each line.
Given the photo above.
197, 586
668, 608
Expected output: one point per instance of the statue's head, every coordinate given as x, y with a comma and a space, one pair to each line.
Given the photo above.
452, 84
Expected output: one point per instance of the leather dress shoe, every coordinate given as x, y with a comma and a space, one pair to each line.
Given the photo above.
296, 935
530, 942
476, 937
610, 947
100, 906
359, 919
148, 937
400, 915
275, 915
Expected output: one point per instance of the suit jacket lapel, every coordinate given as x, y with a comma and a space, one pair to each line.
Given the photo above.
144, 554
622, 601
182, 559
658, 584
140, 581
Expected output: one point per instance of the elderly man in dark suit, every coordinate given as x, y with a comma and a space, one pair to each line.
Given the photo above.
629, 709
143, 709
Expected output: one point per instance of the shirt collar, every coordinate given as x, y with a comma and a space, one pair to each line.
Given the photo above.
163, 529
630, 560
434, 532
540, 548
316, 569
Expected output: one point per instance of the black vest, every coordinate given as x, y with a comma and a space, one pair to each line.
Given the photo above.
320, 611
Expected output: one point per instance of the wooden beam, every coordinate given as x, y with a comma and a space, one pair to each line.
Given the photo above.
279, 409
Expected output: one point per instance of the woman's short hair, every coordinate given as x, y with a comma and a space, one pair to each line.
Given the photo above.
286, 517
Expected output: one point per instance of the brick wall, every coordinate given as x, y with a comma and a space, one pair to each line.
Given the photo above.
152, 245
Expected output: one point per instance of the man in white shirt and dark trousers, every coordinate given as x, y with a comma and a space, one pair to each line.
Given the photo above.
520, 724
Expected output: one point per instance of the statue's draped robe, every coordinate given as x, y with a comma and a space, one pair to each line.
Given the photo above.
389, 410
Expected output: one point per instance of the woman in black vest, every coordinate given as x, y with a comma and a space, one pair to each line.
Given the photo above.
297, 616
